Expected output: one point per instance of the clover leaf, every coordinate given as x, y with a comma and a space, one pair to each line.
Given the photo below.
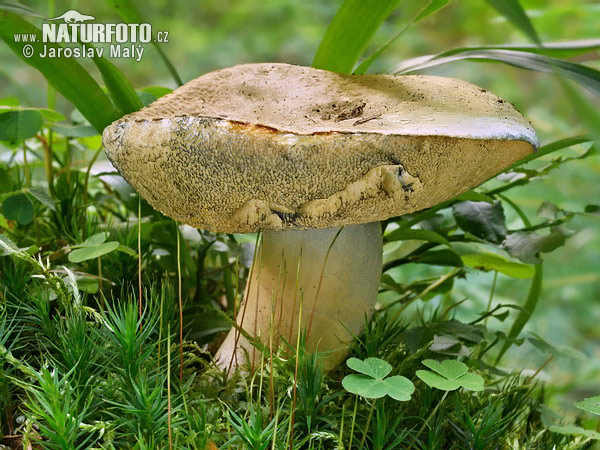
93, 247
449, 375
591, 405
372, 381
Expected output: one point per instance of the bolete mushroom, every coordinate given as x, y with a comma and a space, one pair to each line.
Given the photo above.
297, 153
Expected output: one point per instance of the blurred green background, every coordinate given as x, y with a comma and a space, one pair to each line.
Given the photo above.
211, 34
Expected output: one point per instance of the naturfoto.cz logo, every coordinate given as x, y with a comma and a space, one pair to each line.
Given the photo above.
126, 39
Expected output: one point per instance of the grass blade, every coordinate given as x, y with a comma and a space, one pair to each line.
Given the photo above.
18, 8
586, 76
119, 87
533, 295
128, 12
526, 310
433, 6
565, 49
349, 33
514, 13
552, 147
584, 109
587, 113
66, 75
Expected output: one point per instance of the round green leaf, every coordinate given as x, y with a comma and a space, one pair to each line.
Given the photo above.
373, 367
591, 405
399, 388
18, 207
450, 368
451, 375
91, 252
20, 124
364, 386
471, 381
95, 239
437, 381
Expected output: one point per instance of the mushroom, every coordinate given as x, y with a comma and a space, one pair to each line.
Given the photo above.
313, 159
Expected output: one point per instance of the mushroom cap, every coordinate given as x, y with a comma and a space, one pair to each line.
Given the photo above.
276, 146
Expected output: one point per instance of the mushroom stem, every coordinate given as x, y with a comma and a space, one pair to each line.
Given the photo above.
332, 275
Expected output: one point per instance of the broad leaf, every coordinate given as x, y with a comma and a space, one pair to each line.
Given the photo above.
373, 367
591, 405
399, 388
18, 207
436, 381
450, 375
95, 239
528, 246
592, 209
364, 386
371, 383
481, 219
349, 33
92, 252
449, 368
471, 334
20, 124
491, 261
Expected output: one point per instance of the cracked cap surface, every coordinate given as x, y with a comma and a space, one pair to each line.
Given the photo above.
276, 146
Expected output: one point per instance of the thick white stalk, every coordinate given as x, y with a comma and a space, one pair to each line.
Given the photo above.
335, 284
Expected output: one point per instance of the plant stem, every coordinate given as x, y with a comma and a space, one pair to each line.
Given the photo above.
342, 423
140, 255
99, 276
432, 414
179, 293
366, 430
26, 167
271, 383
312, 311
353, 422
493, 290
237, 332
86, 180
296, 373
169, 385
537, 372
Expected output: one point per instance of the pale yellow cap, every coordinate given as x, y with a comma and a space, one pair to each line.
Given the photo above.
277, 146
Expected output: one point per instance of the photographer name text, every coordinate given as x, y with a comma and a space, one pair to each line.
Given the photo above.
114, 51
